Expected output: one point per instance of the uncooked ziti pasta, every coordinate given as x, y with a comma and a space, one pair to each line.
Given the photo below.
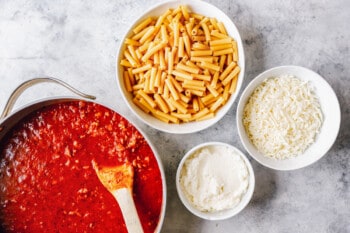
180, 66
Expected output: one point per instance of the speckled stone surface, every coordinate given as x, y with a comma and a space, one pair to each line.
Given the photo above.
77, 42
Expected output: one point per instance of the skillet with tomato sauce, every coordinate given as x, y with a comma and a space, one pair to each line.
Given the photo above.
47, 183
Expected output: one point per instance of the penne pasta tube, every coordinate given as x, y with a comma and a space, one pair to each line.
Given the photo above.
220, 47
170, 106
164, 34
160, 118
129, 41
166, 91
162, 65
200, 46
152, 51
158, 78
223, 52
206, 116
182, 74
185, 12
195, 104
228, 69
189, 27
142, 68
194, 83
187, 44
226, 92
144, 47
203, 77
130, 59
212, 90
176, 32
214, 22
166, 116
153, 79
210, 66
231, 76
198, 53
172, 89
222, 28
229, 58
146, 87
177, 85
206, 30
178, 106
185, 98
150, 32
196, 16
170, 61
200, 114
180, 51
217, 104
194, 31
233, 85
206, 99
142, 25
193, 87
220, 41
198, 38
215, 79
189, 69
161, 103
217, 34
137, 87
125, 62
141, 106
162, 83
222, 62
177, 15
200, 59
146, 105
195, 92
147, 98
201, 104
181, 116
165, 15
127, 81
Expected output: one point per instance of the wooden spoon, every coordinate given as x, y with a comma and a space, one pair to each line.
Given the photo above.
118, 180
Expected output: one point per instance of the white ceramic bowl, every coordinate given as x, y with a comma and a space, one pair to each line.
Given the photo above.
329, 129
196, 6
220, 215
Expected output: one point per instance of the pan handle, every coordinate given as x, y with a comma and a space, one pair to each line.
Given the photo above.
18, 91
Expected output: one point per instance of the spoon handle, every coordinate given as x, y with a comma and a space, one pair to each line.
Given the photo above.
127, 206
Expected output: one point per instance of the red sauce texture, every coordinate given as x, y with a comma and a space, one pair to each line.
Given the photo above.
47, 183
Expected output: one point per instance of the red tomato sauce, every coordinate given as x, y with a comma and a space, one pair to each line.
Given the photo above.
47, 183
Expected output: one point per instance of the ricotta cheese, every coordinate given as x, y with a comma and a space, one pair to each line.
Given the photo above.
282, 117
214, 178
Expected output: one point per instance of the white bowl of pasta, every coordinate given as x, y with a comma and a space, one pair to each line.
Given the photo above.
288, 117
180, 66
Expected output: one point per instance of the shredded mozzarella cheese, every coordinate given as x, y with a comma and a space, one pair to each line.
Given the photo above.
282, 117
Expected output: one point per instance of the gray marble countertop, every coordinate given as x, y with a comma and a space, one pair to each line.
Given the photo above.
77, 41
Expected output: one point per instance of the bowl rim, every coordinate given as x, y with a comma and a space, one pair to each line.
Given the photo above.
320, 84
189, 127
225, 214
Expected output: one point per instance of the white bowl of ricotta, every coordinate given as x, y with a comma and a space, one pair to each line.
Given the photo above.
215, 181
288, 117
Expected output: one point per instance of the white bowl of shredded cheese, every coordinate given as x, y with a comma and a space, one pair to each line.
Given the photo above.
288, 117
215, 181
